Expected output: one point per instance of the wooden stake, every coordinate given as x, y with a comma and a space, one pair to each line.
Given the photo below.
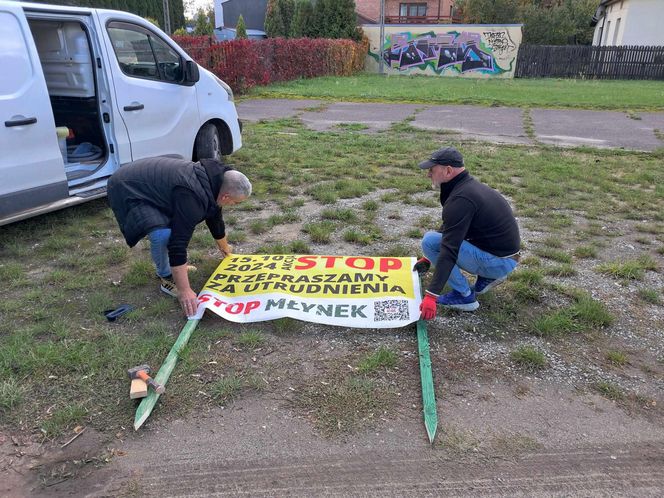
145, 408
428, 393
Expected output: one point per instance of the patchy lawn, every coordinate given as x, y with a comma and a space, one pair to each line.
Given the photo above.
584, 309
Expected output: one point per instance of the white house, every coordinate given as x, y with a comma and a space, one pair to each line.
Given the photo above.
629, 22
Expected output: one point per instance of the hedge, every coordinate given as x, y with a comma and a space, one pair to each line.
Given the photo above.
246, 63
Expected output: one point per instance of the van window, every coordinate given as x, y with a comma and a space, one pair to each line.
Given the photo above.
14, 56
141, 54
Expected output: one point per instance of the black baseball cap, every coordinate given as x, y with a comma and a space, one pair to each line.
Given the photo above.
447, 156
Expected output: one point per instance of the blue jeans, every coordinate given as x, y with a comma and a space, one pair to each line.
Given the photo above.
159, 250
470, 259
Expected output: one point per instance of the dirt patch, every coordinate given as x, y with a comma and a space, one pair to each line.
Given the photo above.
29, 467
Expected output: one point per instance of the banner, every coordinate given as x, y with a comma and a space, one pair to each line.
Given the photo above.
349, 291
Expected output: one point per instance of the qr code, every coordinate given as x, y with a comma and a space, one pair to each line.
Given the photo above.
391, 309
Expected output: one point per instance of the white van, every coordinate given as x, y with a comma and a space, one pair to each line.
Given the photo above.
84, 91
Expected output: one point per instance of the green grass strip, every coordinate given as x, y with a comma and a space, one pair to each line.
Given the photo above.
148, 403
621, 95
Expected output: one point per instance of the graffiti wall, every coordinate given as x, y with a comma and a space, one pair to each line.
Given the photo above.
478, 51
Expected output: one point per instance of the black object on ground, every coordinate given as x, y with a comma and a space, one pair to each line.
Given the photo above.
111, 315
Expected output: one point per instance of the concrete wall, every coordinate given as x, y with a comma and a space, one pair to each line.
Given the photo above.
468, 50
631, 22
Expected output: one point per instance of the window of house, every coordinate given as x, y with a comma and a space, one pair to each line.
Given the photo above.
412, 9
606, 33
615, 31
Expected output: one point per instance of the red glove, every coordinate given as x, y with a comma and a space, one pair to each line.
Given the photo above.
428, 307
422, 266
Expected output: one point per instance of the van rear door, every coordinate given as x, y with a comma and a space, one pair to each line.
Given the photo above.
31, 165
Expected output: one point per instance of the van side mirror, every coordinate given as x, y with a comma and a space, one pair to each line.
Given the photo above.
191, 73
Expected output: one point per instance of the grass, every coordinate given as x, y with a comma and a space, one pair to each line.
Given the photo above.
339, 214
528, 358
585, 252
62, 419
570, 93
633, 269
226, 389
51, 321
250, 339
617, 358
11, 394
295, 247
370, 205
609, 390
651, 296
565, 270
553, 254
355, 236
583, 315
382, 358
343, 406
320, 233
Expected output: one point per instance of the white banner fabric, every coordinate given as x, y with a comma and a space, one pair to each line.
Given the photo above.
348, 291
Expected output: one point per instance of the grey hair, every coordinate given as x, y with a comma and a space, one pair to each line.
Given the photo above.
236, 185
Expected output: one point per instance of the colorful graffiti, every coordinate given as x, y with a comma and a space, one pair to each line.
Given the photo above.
461, 52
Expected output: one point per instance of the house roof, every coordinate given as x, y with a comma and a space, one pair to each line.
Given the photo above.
362, 19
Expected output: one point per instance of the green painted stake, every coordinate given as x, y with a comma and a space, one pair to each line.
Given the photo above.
428, 394
147, 404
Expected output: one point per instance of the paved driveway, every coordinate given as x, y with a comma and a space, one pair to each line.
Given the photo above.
563, 127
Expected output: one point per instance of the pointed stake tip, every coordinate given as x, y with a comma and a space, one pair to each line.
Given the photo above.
432, 434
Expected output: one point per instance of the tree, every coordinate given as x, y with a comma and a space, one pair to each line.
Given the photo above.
203, 22
153, 21
320, 27
488, 11
287, 9
545, 22
153, 9
274, 23
321, 19
562, 23
302, 25
346, 20
241, 28
335, 19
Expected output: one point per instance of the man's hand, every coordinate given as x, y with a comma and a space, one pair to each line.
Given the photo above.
186, 295
188, 301
422, 266
428, 307
224, 247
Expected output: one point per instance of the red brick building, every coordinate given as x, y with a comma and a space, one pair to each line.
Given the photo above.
408, 11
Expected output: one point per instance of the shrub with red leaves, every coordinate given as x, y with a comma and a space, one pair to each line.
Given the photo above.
247, 63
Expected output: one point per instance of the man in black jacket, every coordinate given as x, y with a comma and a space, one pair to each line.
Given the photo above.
164, 198
479, 235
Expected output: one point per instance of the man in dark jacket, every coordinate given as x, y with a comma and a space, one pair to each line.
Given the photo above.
164, 198
479, 235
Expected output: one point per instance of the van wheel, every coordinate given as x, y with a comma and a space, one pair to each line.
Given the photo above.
208, 143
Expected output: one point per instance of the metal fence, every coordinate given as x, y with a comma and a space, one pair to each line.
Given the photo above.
624, 62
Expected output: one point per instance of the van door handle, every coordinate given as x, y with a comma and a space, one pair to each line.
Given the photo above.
20, 122
134, 107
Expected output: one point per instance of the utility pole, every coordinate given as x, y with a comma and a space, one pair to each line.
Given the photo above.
381, 61
167, 18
